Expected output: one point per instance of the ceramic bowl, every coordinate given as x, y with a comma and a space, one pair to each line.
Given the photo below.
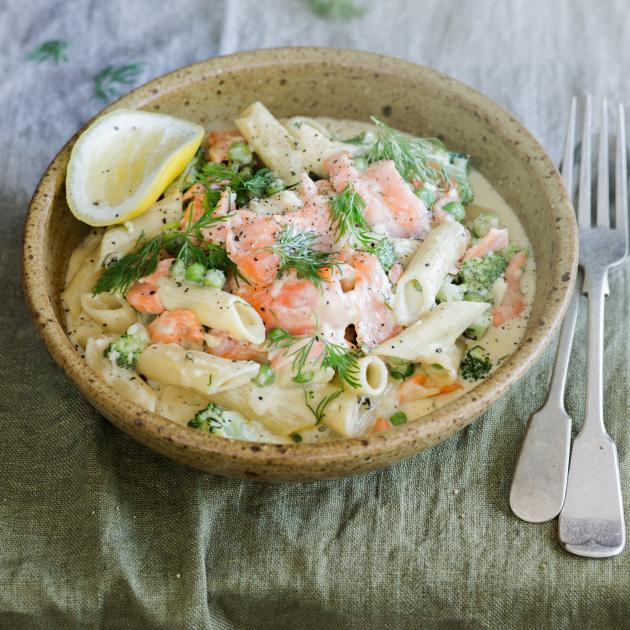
342, 84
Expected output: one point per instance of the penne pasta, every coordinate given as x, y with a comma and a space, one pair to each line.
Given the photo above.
435, 257
111, 311
121, 239
202, 372
82, 282
372, 376
215, 308
277, 148
431, 340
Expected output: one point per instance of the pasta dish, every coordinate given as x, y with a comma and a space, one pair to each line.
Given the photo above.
304, 280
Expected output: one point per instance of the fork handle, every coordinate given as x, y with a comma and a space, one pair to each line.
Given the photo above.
595, 286
540, 476
592, 521
555, 397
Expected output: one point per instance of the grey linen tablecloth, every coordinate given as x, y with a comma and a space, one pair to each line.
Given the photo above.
98, 531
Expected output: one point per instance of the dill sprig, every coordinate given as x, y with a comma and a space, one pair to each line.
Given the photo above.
296, 251
346, 212
144, 259
131, 267
319, 411
340, 358
108, 81
54, 49
336, 9
216, 176
424, 159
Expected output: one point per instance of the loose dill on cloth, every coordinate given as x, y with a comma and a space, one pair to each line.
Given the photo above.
54, 49
108, 82
336, 9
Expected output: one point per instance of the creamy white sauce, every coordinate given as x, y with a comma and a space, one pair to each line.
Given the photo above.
498, 342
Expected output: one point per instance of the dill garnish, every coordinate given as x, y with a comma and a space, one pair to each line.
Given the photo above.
108, 81
346, 213
144, 259
54, 49
214, 176
340, 358
131, 267
320, 410
295, 249
336, 9
423, 159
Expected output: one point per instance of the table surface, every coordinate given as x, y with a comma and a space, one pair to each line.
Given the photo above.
98, 531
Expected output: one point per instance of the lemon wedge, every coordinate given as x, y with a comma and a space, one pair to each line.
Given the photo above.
124, 161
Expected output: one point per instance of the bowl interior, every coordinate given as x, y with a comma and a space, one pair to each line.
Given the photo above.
341, 84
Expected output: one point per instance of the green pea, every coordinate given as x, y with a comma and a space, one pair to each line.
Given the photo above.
276, 185
403, 371
177, 270
275, 334
427, 196
195, 273
240, 153
400, 417
265, 376
214, 278
360, 162
456, 210
296, 437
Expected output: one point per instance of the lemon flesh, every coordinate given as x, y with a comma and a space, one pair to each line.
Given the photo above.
124, 161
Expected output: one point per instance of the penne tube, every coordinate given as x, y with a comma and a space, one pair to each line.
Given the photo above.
214, 308
314, 145
436, 256
110, 311
431, 340
121, 239
202, 372
350, 415
277, 148
372, 375
82, 282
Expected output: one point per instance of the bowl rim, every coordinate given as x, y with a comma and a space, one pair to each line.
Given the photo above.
395, 443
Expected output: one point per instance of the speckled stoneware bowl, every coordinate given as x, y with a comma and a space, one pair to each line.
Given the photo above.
342, 84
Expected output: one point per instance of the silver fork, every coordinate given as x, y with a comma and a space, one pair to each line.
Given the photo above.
540, 477
591, 521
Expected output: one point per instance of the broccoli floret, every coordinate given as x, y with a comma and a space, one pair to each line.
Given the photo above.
450, 292
209, 420
512, 250
124, 352
476, 364
485, 222
479, 274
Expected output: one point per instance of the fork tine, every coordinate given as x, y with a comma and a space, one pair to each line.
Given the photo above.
584, 201
569, 149
603, 199
621, 176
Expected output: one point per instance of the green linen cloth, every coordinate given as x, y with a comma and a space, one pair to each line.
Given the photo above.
98, 531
